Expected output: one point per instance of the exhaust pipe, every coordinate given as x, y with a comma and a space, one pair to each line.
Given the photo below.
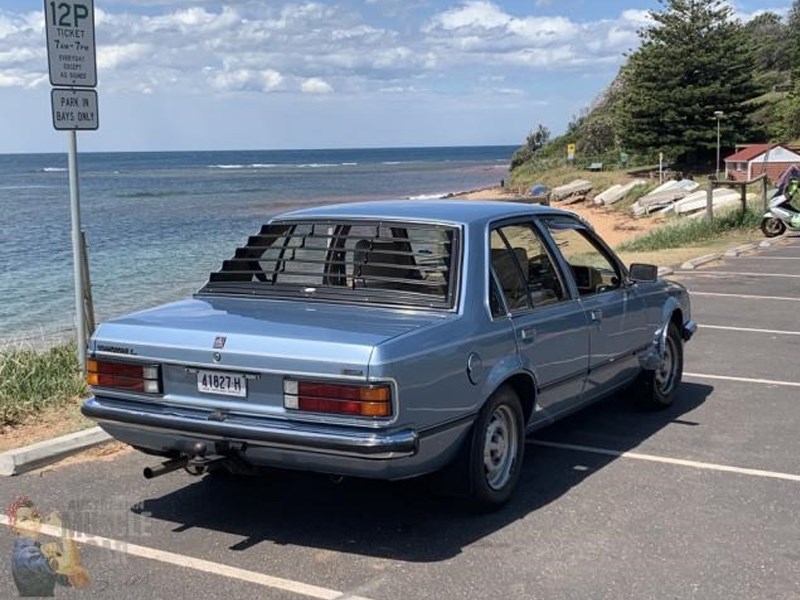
164, 468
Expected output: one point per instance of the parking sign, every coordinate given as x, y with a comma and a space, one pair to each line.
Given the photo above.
70, 42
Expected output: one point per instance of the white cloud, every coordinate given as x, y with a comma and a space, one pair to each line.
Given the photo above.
474, 14
119, 55
315, 85
20, 56
246, 80
16, 78
481, 32
638, 17
312, 47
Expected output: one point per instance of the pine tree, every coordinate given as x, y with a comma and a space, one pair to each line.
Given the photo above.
791, 107
694, 60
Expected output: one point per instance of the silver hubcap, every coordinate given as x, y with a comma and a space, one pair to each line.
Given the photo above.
500, 447
665, 376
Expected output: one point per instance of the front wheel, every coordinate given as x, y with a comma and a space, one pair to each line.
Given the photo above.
496, 450
658, 388
772, 227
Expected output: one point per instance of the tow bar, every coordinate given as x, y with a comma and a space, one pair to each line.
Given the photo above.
195, 463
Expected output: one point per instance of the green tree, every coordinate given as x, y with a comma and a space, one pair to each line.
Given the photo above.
769, 38
535, 140
790, 107
694, 60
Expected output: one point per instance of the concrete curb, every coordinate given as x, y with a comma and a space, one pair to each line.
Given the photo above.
734, 252
665, 271
20, 460
692, 264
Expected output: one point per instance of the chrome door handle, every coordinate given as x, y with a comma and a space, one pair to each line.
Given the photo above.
528, 334
596, 315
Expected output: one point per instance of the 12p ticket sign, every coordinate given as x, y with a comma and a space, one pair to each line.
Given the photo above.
70, 42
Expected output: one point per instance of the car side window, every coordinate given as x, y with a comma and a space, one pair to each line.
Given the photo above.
594, 270
523, 267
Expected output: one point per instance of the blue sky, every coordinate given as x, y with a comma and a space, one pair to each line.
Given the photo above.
251, 74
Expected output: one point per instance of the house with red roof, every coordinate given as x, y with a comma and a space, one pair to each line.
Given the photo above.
754, 159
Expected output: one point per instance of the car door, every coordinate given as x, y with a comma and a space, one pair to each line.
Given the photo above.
618, 329
549, 322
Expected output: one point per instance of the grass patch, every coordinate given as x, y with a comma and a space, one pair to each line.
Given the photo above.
688, 232
32, 380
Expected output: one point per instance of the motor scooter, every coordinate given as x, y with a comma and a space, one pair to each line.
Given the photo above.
780, 217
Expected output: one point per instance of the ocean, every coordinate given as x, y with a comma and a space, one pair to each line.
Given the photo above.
157, 223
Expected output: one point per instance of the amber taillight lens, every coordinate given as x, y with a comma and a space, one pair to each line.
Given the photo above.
127, 377
334, 398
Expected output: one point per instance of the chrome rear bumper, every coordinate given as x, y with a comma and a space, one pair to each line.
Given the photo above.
253, 431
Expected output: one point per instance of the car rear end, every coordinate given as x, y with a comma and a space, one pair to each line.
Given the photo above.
269, 364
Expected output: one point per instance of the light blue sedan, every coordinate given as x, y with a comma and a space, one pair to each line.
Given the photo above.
389, 340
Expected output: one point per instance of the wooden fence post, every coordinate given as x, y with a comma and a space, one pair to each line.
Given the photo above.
710, 200
744, 198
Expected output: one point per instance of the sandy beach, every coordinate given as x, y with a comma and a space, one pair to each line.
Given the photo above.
614, 226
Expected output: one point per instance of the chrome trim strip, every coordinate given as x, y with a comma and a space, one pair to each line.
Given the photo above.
258, 432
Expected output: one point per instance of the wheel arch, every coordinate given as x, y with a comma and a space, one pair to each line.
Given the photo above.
524, 386
677, 318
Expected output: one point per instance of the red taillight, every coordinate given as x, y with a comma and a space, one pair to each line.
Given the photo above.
358, 400
124, 376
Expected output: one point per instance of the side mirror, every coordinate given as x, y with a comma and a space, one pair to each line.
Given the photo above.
643, 272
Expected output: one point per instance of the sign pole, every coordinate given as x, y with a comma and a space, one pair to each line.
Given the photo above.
72, 65
77, 267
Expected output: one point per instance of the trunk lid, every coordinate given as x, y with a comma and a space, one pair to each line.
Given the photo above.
262, 339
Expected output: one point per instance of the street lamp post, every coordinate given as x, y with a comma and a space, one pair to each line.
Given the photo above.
718, 114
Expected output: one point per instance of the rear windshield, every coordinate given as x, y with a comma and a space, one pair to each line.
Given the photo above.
359, 261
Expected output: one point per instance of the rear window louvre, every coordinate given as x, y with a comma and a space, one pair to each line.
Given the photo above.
359, 261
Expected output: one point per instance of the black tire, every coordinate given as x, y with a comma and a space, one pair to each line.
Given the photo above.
772, 227
658, 389
496, 450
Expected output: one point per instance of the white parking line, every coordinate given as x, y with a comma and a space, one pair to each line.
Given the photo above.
768, 257
671, 461
742, 379
179, 560
749, 329
731, 273
744, 296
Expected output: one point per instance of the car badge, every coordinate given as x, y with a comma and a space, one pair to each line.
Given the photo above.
219, 342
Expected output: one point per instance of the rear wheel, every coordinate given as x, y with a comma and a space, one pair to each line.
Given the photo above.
658, 388
496, 450
772, 227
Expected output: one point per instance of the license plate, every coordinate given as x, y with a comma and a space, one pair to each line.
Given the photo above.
224, 384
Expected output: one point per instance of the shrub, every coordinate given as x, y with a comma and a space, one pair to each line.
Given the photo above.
31, 380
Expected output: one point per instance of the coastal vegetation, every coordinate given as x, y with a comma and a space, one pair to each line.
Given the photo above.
33, 380
690, 232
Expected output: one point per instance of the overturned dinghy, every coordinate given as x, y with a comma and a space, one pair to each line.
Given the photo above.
574, 191
689, 185
699, 200
663, 196
653, 202
617, 192
723, 204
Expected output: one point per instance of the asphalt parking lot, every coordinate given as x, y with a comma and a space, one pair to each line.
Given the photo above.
699, 501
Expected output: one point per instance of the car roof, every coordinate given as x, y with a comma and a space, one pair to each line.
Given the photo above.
451, 212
